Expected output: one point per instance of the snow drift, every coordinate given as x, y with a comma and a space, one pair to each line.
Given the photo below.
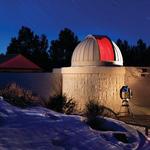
42, 129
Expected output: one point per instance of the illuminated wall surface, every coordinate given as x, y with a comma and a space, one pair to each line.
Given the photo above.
138, 78
98, 83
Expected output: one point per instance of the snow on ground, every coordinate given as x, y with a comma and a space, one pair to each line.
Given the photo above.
42, 129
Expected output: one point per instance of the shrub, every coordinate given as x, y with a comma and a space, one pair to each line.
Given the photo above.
61, 104
17, 96
93, 110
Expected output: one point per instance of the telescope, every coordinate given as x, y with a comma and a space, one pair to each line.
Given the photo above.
125, 93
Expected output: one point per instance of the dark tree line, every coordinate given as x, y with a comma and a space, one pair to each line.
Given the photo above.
31, 46
58, 53
37, 49
136, 55
61, 49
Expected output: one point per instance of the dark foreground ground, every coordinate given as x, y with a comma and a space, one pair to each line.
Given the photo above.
140, 122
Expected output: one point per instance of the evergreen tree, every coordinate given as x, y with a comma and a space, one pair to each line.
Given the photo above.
141, 52
22, 44
136, 55
31, 46
39, 54
125, 50
147, 55
61, 49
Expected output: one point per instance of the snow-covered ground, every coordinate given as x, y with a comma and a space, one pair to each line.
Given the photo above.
38, 128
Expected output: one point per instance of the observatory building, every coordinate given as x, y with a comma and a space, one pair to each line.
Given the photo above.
96, 73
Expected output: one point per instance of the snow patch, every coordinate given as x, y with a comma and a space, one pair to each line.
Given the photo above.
40, 128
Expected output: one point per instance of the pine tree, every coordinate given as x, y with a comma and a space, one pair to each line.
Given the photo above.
62, 48
32, 46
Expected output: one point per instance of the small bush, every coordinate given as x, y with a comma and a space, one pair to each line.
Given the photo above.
93, 110
56, 103
61, 104
17, 96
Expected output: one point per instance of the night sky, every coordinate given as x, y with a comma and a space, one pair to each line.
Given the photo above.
125, 19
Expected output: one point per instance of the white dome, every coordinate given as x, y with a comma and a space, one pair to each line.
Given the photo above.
86, 53
95, 51
119, 58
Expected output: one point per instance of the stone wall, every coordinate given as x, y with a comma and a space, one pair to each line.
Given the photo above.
138, 79
94, 83
104, 83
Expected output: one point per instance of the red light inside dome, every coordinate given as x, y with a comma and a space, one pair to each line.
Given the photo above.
106, 49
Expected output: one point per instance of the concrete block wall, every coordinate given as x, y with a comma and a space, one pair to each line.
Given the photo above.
138, 79
94, 83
